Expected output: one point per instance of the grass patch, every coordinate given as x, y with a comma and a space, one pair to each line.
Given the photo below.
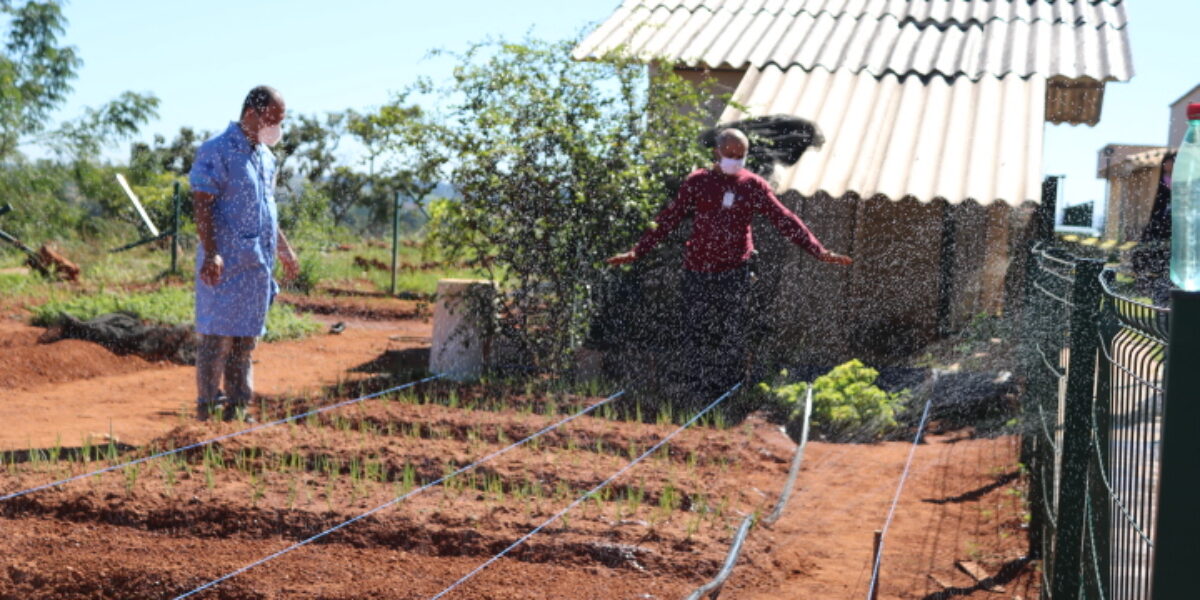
337, 268
168, 306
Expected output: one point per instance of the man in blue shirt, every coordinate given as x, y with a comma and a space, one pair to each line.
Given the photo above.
233, 190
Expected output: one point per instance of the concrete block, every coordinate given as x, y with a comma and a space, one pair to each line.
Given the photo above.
462, 317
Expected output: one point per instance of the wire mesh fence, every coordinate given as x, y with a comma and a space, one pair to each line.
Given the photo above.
1093, 361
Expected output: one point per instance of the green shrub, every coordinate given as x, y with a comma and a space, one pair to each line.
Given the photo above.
312, 271
847, 406
169, 306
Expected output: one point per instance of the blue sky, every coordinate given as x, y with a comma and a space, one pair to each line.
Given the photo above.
200, 58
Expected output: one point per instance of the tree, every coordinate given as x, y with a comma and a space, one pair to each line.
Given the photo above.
35, 78
160, 157
393, 170
35, 70
117, 120
309, 146
559, 164
357, 198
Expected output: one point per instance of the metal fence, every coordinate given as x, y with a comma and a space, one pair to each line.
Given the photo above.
1093, 364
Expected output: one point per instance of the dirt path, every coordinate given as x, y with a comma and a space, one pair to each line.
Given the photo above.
960, 503
65, 391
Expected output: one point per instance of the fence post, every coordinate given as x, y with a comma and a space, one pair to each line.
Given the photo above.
1032, 446
1178, 528
1048, 208
395, 240
1107, 327
1077, 428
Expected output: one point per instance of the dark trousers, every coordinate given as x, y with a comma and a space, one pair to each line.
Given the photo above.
715, 327
223, 357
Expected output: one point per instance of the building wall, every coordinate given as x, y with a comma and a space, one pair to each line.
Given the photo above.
1130, 192
895, 286
724, 81
898, 296
967, 297
1131, 198
805, 301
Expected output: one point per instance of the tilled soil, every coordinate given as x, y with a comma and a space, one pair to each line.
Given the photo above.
661, 531
171, 525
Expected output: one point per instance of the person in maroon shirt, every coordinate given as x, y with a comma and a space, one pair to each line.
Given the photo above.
722, 200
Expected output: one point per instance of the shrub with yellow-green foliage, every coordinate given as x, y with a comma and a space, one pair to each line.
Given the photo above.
847, 405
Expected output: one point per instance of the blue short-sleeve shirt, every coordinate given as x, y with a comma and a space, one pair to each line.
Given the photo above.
241, 178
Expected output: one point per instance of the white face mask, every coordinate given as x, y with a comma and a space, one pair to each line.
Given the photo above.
732, 166
270, 135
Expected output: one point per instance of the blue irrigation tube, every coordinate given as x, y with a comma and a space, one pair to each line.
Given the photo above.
221, 438
400, 498
794, 472
585, 496
713, 588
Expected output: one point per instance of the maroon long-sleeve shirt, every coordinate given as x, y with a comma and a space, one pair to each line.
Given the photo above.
722, 206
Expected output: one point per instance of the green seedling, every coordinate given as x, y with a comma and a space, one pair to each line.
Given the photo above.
131, 477
634, 496
258, 489
495, 487
408, 477
665, 415
56, 451
669, 500
292, 492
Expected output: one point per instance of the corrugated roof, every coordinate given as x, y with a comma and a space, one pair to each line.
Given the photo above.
901, 138
1074, 39
924, 99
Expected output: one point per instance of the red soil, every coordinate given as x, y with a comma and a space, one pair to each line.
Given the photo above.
65, 391
176, 525
26, 364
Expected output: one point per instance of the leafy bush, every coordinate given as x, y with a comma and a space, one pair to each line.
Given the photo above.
558, 165
847, 406
169, 306
312, 271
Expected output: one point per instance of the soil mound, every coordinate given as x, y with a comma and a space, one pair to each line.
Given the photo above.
25, 363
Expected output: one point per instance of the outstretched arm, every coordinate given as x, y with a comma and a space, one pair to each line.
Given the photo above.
795, 230
664, 223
